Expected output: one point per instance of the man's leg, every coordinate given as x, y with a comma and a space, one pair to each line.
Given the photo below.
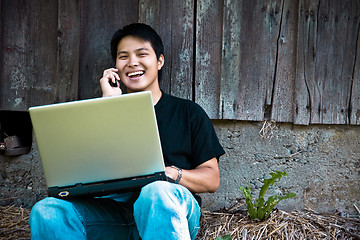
92, 218
166, 211
53, 218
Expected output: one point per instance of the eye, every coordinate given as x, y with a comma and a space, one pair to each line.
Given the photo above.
122, 57
143, 54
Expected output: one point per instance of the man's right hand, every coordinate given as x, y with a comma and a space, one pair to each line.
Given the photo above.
110, 75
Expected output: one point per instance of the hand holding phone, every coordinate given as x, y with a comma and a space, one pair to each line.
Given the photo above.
109, 83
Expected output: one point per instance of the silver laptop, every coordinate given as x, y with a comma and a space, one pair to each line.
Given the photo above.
98, 146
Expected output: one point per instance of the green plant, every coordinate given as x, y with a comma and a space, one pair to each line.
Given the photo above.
260, 209
226, 237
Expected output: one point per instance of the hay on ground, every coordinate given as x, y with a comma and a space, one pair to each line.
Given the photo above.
14, 223
281, 225
295, 225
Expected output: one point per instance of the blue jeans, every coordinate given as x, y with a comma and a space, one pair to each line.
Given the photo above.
163, 210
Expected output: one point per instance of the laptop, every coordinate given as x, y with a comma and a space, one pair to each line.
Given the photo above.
98, 146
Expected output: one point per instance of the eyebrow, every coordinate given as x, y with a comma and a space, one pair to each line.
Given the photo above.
137, 50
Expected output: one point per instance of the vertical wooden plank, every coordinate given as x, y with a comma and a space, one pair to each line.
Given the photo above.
99, 20
67, 74
149, 13
355, 97
42, 52
173, 20
305, 90
182, 48
29, 41
251, 30
208, 56
336, 42
231, 60
355, 93
14, 22
283, 97
326, 43
1, 52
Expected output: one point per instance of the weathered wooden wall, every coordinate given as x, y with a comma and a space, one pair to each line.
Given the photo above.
286, 60
327, 62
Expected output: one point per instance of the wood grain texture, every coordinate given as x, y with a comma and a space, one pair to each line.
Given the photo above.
327, 38
336, 43
1, 55
13, 47
208, 56
282, 108
251, 30
305, 60
29, 43
288, 61
174, 21
99, 20
68, 48
355, 91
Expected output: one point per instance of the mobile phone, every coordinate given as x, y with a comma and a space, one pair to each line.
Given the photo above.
116, 84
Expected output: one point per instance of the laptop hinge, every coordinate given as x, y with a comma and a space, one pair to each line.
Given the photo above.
78, 189
104, 188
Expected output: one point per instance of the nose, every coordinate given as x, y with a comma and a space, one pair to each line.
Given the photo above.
133, 62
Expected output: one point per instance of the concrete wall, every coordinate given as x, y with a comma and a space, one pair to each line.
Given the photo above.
322, 161
323, 164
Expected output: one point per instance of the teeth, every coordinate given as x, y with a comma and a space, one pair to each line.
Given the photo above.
135, 73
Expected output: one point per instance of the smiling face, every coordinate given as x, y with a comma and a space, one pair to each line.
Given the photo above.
138, 65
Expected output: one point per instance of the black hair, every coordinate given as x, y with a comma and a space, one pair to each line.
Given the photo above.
140, 30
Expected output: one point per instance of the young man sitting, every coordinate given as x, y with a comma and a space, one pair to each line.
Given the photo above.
162, 209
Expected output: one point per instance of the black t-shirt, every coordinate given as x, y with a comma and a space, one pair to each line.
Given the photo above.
187, 135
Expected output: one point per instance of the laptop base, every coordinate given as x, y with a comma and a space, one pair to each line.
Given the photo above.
104, 188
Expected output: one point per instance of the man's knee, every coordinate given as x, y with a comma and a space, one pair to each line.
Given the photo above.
157, 190
163, 194
157, 186
43, 208
53, 218
49, 209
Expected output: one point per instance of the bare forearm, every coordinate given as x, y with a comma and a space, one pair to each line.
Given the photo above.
204, 178
199, 181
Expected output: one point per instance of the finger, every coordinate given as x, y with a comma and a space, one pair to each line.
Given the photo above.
109, 71
108, 78
117, 77
113, 76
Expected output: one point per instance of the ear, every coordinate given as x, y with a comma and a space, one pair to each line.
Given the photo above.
161, 62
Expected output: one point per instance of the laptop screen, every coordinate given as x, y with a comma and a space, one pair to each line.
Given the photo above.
98, 139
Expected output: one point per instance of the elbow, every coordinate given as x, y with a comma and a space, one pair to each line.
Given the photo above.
214, 186
215, 183
213, 190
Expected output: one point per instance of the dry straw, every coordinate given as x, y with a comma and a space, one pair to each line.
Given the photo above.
280, 225
14, 223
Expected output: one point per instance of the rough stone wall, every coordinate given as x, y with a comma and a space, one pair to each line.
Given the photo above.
322, 161
22, 179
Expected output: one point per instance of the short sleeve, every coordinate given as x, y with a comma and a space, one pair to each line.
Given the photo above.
204, 141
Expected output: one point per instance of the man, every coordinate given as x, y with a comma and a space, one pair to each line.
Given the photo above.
162, 210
